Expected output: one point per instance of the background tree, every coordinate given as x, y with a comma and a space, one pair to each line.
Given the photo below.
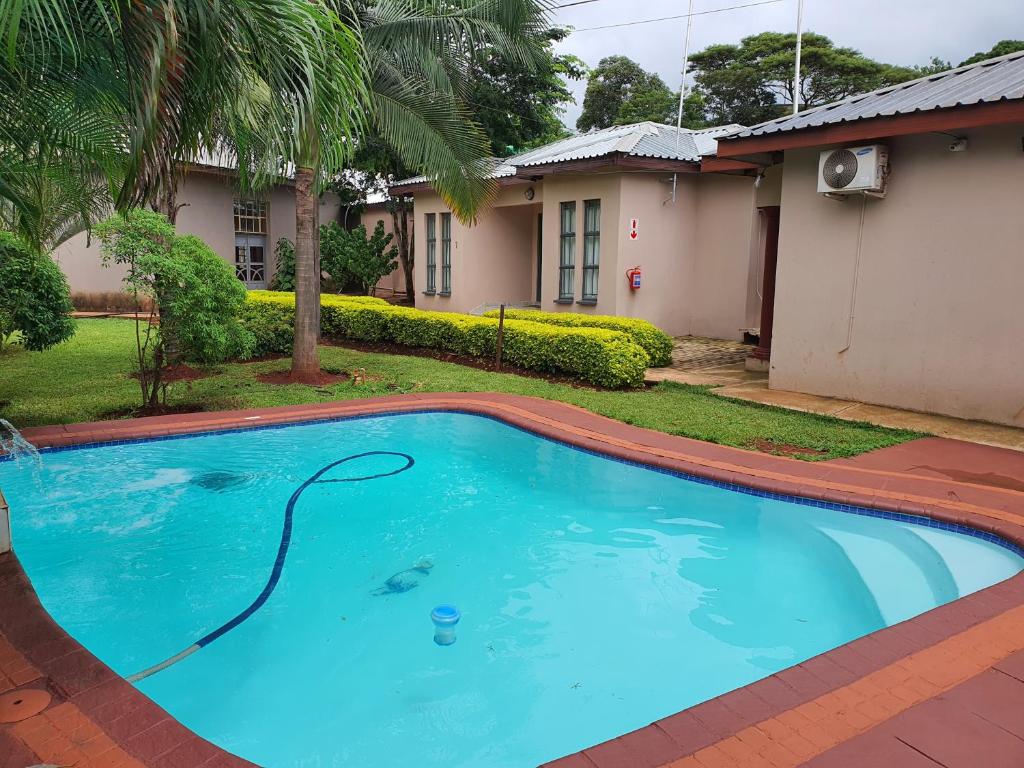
423, 62
620, 91
933, 67
192, 290
1001, 48
34, 300
753, 81
377, 165
518, 106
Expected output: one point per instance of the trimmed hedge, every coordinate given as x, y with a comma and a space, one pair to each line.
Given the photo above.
655, 341
599, 356
324, 298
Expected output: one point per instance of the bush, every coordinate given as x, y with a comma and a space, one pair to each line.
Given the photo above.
192, 289
599, 356
34, 296
284, 268
353, 258
655, 341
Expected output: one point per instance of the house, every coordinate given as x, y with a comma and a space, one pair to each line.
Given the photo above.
373, 211
911, 298
572, 218
242, 229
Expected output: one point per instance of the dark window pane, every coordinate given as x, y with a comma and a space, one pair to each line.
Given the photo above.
567, 251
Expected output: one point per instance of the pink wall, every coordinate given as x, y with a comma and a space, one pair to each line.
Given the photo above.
696, 253
492, 259
395, 282
929, 319
208, 214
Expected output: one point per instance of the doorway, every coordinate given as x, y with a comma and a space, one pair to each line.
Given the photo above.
251, 260
770, 226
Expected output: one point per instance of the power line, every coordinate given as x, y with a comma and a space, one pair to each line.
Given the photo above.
671, 18
578, 2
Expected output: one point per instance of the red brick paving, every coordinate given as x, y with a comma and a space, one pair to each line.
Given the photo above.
945, 688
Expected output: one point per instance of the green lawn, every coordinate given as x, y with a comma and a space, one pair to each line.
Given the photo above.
87, 379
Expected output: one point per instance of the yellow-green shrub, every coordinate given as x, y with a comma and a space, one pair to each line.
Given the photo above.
597, 355
655, 341
324, 298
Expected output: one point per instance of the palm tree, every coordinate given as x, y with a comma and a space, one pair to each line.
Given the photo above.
418, 53
150, 83
123, 90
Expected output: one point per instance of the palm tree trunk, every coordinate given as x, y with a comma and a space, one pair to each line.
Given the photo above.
305, 356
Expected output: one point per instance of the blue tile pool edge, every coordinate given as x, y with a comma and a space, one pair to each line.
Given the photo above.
924, 520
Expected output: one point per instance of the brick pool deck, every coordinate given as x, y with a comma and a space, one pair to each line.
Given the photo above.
943, 689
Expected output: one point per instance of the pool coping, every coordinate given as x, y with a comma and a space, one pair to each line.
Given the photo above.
149, 735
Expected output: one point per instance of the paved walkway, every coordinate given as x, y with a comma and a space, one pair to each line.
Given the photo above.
944, 688
691, 353
731, 379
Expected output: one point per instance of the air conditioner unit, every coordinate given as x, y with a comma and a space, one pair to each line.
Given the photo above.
853, 169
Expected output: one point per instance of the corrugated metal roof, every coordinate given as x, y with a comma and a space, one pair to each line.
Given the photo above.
999, 79
636, 140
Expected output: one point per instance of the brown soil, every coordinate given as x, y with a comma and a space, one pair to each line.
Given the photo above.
181, 372
158, 410
449, 357
284, 378
786, 449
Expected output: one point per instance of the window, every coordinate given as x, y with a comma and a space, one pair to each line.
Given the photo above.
251, 216
446, 254
251, 242
431, 253
591, 247
567, 252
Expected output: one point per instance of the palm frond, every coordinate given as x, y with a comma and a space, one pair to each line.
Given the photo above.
430, 130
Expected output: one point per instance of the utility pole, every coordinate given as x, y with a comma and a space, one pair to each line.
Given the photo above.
799, 42
682, 90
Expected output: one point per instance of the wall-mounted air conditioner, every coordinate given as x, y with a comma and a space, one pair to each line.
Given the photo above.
853, 169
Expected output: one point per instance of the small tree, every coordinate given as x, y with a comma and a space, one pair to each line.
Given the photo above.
284, 273
354, 256
34, 296
194, 295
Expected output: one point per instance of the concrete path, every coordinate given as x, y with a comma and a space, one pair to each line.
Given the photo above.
729, 378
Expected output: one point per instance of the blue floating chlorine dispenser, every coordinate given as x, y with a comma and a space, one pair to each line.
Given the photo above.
445, 617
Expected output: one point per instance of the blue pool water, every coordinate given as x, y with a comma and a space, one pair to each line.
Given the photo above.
596, 596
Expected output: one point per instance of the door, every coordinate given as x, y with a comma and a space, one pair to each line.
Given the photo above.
251, 260
540, 251
770, 220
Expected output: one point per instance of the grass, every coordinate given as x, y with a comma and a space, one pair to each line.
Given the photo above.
87, 379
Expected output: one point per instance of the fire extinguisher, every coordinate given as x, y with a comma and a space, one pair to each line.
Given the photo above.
633, 278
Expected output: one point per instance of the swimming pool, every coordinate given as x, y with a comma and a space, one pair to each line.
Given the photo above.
596, 596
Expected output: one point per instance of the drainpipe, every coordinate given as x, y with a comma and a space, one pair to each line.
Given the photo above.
682, 93
5, 525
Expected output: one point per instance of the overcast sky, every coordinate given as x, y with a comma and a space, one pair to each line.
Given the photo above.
894, 31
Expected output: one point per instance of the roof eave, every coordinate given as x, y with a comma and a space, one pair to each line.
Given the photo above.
924, 121
612, 162
425, 186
